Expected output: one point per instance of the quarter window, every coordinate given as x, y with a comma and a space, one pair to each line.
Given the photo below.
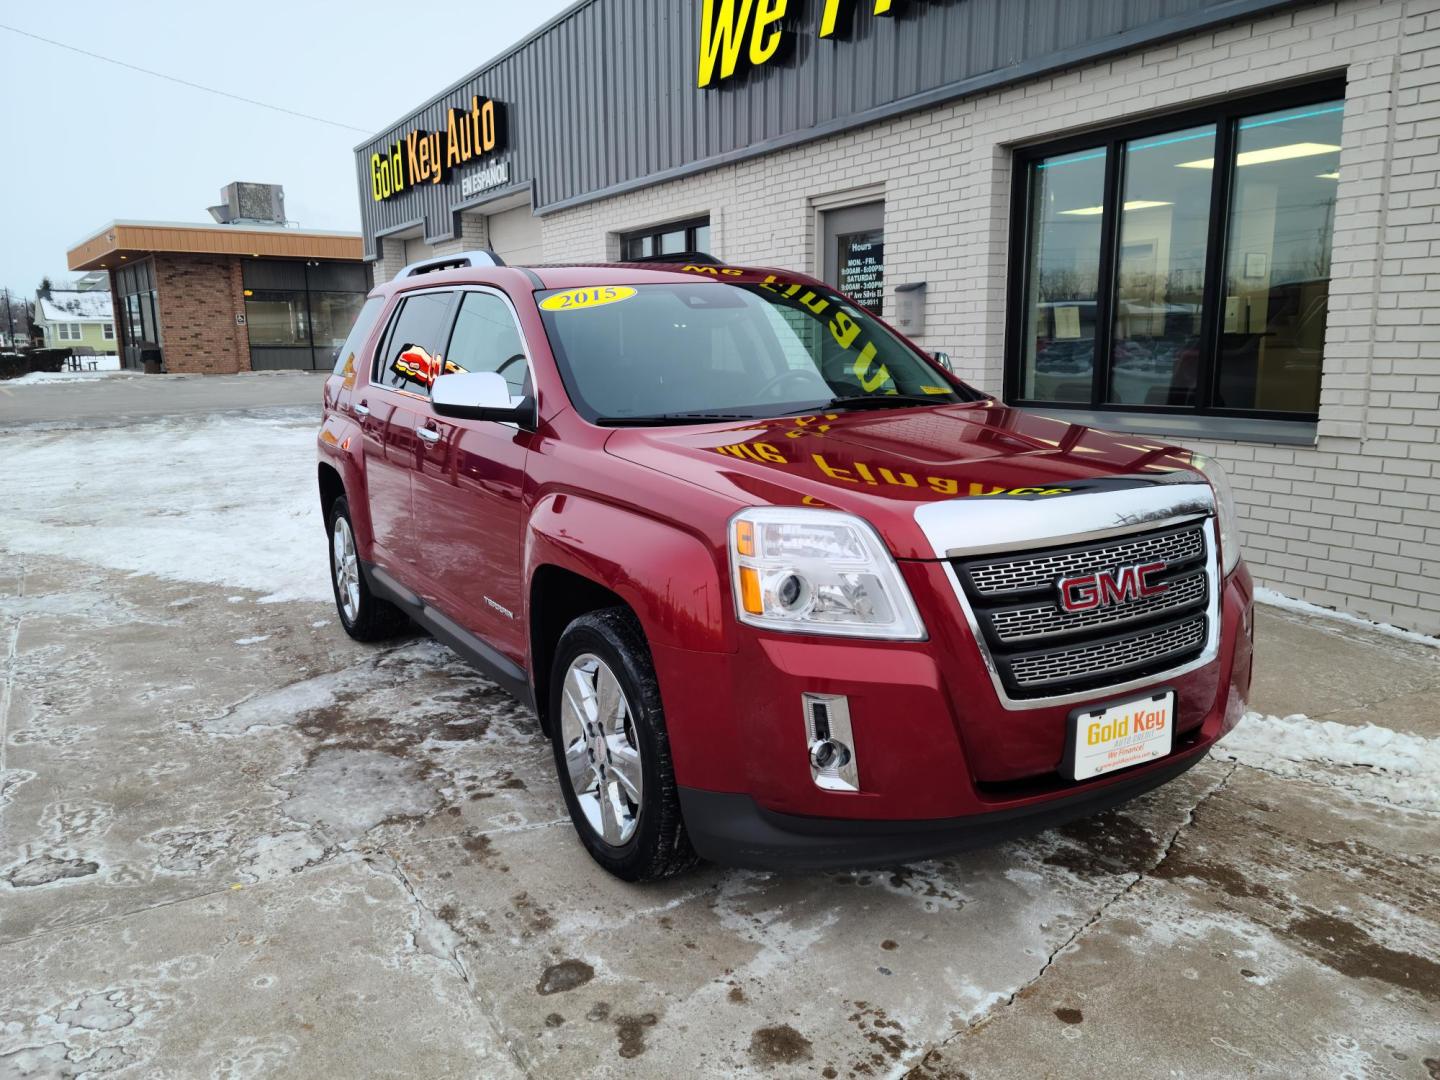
412, 359
1181, 265
486, 339
345, 358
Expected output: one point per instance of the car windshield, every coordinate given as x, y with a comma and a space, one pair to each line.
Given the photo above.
726, 349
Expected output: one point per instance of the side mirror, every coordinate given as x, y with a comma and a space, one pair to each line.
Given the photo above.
479, 395
943, 359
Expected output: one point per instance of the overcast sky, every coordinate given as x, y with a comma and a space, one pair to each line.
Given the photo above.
87, 142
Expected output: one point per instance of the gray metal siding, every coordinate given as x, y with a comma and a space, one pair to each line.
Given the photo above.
603, 99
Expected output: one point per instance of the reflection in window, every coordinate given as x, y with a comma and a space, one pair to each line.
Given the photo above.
1160, 272
1064, 274
1277, 266
1152, 279
331, 316
276, 317
485, 338
667, 240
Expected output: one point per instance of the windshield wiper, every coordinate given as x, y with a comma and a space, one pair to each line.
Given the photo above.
884, 401
670, 418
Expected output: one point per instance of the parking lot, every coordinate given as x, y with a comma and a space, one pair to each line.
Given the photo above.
234, 842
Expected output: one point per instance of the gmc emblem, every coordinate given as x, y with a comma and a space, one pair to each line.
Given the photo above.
1119, 586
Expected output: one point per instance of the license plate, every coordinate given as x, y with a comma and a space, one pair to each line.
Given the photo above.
1118, 736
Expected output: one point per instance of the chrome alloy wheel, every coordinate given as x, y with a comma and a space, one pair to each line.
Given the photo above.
602, 749
345, 565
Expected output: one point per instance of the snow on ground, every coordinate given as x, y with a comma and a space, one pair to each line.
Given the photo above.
38, 378
1289, 603
1371, 761
221, 500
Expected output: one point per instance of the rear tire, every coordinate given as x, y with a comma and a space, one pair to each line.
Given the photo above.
612, 750
364, 615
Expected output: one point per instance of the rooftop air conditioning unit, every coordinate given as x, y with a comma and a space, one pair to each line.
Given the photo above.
250, 204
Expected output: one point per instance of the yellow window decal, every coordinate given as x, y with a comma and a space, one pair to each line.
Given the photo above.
594, 296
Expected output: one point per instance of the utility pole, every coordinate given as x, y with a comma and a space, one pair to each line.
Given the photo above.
9, 318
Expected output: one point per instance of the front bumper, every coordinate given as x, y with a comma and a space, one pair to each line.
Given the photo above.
943, 764
734, 830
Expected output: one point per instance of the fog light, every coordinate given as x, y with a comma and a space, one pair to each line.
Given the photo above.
830, 743
829, 754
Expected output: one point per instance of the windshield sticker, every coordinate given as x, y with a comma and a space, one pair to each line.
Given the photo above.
843, 328
592, 297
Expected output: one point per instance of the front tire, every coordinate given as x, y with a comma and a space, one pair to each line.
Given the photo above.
364, 615
612, 751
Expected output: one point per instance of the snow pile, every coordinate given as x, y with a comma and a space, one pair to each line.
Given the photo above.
1289, 603
223, 500
109, 367
1372, 761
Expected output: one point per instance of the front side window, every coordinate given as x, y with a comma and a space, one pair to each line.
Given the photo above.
486, 338
1180, 267
412, 358
730, 349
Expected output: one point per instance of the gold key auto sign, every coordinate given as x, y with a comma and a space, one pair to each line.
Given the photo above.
428, 156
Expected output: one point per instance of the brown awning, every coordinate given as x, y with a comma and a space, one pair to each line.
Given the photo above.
122, 241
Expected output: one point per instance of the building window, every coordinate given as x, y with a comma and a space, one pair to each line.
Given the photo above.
67, 331
107, 331
298, 313
667, 240
1149, 279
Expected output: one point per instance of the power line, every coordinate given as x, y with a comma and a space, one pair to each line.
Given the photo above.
182, 82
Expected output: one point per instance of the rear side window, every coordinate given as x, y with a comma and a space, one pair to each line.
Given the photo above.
487, 339
345, 358
412, 357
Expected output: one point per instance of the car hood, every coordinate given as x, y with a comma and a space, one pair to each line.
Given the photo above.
885, 465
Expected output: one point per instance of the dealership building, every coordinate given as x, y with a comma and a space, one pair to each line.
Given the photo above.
242, 292
1216, 223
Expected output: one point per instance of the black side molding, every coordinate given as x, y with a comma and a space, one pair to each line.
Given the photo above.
491, 664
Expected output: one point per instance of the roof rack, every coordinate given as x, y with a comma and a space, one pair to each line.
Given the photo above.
478, 257
702, 258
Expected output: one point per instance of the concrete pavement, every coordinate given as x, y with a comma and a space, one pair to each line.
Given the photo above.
299, 856
123, 398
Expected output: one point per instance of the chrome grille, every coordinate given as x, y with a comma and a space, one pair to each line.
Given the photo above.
1014, 574
1048, 620
1109, 657
1038, 649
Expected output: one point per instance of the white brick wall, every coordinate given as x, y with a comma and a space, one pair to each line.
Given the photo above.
1353, 522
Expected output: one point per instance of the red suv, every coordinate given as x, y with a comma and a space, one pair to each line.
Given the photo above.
783, 591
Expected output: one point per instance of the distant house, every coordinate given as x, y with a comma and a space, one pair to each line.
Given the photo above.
14, 320
78, 319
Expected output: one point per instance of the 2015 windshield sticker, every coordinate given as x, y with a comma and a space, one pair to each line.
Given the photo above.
595, 296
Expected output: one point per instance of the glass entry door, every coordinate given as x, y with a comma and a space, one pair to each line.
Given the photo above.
854, 252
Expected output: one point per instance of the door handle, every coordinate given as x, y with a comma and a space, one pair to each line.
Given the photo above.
429, 435
360, 408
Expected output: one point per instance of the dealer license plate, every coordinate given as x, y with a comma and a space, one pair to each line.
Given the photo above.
1122, 735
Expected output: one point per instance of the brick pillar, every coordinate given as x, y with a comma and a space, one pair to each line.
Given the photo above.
240, 332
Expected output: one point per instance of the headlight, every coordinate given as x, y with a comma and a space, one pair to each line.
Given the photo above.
1224, 510
812, 571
